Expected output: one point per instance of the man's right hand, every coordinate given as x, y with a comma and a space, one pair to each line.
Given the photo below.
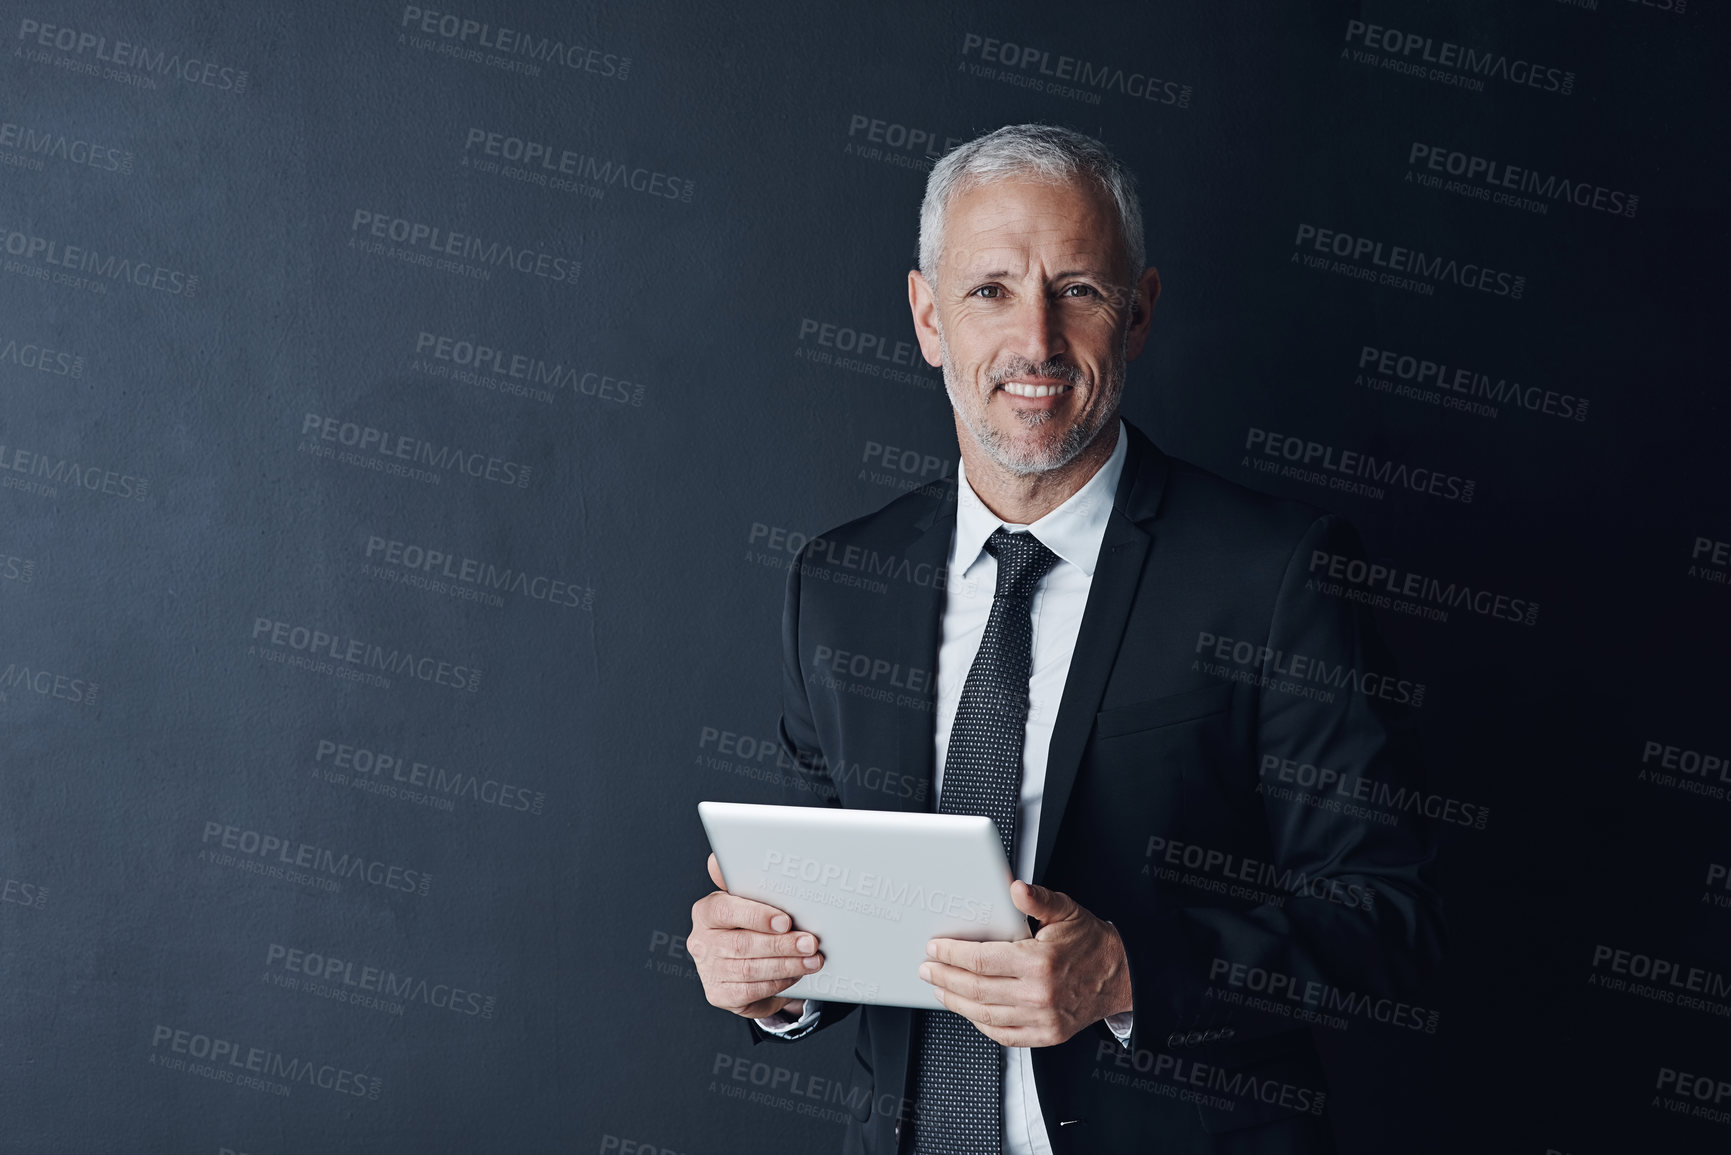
747, 952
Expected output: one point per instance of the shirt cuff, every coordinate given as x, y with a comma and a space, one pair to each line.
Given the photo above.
786, 1026
1120, 1025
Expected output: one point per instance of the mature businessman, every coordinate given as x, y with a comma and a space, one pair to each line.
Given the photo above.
1196, 757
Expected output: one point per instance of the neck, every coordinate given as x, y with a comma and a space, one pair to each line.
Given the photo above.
1022, 499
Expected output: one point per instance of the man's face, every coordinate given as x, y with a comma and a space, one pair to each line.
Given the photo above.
1034, 318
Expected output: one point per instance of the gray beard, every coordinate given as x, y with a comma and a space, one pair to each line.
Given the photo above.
1075, 439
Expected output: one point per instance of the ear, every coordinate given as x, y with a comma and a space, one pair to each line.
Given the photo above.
1142, 311
924, 305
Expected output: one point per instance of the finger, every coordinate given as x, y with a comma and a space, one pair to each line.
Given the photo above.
983, 1015
1017, 1036
736, 995
715, 872
761, 1009
987, 989
1043, 903
723, 910
986, 958
758, 970
751, 944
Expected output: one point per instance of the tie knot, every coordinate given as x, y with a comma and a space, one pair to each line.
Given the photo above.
1023, 560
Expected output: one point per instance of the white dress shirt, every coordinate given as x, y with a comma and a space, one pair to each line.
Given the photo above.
1073, 531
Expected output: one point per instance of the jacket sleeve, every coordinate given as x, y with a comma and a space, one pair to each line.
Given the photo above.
803, 777
1327, 699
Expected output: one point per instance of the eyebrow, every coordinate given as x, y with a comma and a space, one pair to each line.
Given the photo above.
996, 274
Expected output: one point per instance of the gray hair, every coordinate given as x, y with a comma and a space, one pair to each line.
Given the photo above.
1044, 151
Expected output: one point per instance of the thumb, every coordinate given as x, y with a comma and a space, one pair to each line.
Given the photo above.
715, 872
1042, 903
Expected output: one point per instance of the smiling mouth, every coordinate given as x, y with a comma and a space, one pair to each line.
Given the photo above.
1022, 389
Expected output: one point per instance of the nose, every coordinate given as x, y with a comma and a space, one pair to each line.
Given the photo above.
1038, 332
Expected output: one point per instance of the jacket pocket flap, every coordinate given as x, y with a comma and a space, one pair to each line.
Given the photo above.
1145, 715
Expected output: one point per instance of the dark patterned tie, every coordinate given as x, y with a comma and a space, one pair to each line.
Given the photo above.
958, 1072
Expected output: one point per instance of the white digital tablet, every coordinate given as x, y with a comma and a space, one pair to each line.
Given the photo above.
872, 885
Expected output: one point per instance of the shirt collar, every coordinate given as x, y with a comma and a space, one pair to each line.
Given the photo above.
1073, 531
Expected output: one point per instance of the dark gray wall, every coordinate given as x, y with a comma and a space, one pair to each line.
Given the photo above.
220, 621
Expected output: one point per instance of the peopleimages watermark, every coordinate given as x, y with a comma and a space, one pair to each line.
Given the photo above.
1207, 1084
1671, 974
258, 1068
370, 447
767, 760
1296, 673
1685, 769
785, 1088
471, 362
433, 241
44, 474
29, 145
537, 162
868, 892
516, 51
861, 351
894, 143
678, 961
615, 1145
1453, 387
48, 258
1461, 65
379, 771
359, 984
1698, 1096
1348, 470
1710, 560
1167, 856
1311, 1000
851, 565
443, 571
1039, 70
1661, 980
894, 675
358, 656
1718, 876
41, 358
275, 853
46, 684
1390, 587
21, 893
1481, 178
1326, 788
902, 468
147, 63
17, 569
1398, 266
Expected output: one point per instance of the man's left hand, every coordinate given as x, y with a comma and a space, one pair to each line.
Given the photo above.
1040, 991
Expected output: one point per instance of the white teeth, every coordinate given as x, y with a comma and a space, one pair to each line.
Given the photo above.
1021, 390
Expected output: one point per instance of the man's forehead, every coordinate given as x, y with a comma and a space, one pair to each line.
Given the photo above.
1014, 259
1006, 224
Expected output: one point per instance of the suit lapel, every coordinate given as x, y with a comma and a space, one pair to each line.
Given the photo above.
1117, 574
917, 628
918, 625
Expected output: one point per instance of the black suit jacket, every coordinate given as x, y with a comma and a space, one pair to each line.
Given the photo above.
1177, 801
